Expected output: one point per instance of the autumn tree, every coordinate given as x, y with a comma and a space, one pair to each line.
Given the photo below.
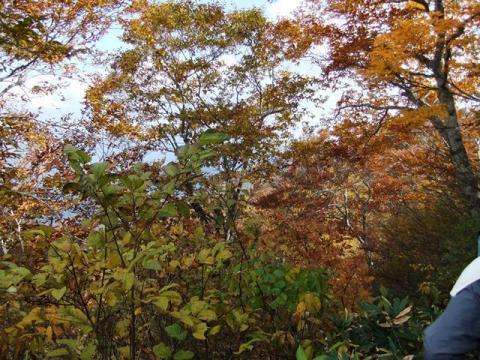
409, 62
118, 256
38, 38
38, 34
194, 67
346, 198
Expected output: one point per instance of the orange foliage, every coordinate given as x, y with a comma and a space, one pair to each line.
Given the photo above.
404, 63
339, 190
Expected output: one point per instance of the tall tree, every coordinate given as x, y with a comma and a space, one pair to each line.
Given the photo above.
409, 62
38, 33
194, 67
38, 37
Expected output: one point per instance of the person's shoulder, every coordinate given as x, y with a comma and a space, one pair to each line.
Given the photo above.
469, 277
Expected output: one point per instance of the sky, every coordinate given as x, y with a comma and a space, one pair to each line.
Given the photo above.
70, 99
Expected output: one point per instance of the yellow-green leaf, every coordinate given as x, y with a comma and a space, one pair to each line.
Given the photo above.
58, 293
224, 254
204, 257
183, 355
58, 352
199, 331
214, 330
163, 351
207, 315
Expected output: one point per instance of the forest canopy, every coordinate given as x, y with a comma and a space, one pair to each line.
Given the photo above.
237, 185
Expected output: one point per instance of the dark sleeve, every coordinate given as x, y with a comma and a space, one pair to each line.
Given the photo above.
457, 331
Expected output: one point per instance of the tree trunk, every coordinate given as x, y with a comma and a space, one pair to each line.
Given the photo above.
449, 129
449, 126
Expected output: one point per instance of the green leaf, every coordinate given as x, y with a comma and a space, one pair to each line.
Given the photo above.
181, 151
63, 244
183, 209
88, 353
176, 331
95, 239
127, 278
301, 355
113, 260
39, 279
151, 264
183, 355
69, 148
169, 188
43, 231
58, 293
168, 210
111, 189
171, 169
224, 254
163, 351
76, 155
58, 352
197, 305
205, 154
72, 344
125, 351
98, 169
211, 137
23, 273
122, 327
173, 296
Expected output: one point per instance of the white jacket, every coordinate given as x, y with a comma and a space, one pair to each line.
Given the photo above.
469, 275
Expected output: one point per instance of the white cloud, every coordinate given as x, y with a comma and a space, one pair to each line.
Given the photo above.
282, 8
67, 99
229, 59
